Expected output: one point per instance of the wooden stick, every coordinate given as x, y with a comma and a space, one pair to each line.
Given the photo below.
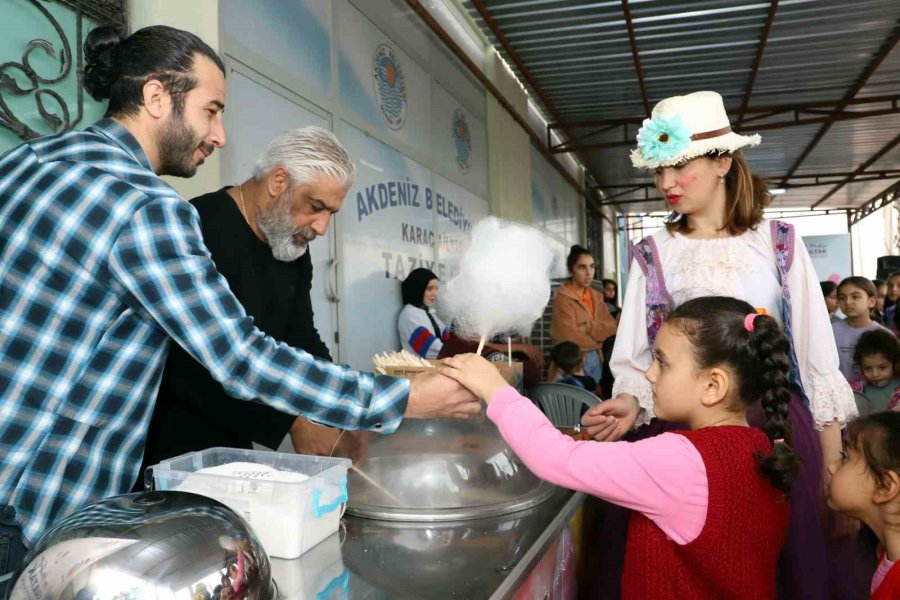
480, 345
509, 350
378, 486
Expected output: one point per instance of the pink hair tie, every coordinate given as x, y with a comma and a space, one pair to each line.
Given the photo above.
748, 321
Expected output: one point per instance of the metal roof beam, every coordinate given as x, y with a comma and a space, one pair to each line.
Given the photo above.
476, 71
797, 120
888, 196
513, 55
861, 169
886, 47
523, 70
632, 39
760, 112
757, 60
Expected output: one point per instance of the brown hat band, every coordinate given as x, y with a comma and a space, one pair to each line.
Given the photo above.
710, 134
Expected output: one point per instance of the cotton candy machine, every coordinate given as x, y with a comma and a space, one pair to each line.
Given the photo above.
442, 470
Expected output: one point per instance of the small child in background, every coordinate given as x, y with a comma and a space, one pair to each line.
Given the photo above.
876, 357
865, 485
829, 292
709, 516
880, 297
570, 363
856, 296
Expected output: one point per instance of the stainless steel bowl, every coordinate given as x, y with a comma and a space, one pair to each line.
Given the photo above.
169, 545
442, 470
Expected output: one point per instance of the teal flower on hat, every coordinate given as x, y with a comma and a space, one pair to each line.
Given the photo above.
661, 139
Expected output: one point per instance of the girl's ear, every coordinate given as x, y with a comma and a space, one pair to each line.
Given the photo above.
889, 488
718, 383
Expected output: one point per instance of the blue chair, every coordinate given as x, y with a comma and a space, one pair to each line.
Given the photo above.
562, 403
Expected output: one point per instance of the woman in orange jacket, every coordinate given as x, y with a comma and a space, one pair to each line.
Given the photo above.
580, 314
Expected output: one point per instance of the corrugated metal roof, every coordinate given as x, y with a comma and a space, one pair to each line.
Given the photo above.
579, 56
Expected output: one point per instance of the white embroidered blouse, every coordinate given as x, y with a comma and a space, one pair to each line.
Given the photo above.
743, 267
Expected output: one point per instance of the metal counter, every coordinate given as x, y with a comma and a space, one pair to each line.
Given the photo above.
471, 560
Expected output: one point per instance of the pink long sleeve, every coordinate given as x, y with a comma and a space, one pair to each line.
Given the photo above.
662, 477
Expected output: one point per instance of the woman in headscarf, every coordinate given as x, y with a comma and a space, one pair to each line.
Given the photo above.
421, 332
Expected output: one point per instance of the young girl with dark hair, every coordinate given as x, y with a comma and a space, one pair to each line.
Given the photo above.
877, 385
611, 295
829, 293
865, 485
709, 509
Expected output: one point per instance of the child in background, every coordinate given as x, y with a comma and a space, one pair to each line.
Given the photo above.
876, 356
829, 292
865, 485
570, 363
880, 297
709, 511
856, 295
890, 300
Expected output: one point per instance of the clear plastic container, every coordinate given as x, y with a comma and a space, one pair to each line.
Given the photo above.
288, 517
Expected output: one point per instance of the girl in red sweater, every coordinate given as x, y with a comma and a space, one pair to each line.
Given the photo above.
709, 508
865, 484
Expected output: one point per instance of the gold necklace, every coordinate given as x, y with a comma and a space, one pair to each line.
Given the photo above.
243, 207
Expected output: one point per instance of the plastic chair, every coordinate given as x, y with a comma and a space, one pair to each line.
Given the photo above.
562, 402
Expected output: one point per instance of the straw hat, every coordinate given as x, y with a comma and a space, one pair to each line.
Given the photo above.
684, 127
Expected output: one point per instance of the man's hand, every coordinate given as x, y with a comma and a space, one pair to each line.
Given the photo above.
311, 438
611, 419
433, 396
474, 372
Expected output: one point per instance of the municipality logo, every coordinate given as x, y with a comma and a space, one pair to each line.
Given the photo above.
462, 139
390, 87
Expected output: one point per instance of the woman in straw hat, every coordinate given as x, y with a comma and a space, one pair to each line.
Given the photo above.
716, 242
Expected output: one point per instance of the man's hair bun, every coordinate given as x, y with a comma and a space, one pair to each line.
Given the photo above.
99, 66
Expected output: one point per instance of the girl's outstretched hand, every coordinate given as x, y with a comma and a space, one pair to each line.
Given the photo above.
472, 371
611, 419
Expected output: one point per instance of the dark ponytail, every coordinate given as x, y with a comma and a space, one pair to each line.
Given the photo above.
773, 351
717, 328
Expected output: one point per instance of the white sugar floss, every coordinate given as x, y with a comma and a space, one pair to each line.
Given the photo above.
503, 283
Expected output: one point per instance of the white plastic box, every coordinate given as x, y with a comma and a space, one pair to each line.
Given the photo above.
289, 518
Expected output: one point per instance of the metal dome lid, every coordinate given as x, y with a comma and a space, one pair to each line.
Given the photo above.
155, 545
442, 470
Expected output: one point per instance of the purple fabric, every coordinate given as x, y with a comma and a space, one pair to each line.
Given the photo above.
803, 565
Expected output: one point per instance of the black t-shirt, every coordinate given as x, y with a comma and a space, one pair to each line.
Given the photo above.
192, 411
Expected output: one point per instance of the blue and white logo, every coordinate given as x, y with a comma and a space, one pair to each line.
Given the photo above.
462, 139
390, 87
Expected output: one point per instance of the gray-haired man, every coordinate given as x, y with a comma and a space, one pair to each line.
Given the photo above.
258, 234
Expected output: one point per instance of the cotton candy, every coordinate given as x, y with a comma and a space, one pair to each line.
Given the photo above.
503, 283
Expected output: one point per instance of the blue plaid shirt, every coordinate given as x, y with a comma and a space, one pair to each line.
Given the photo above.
101, 263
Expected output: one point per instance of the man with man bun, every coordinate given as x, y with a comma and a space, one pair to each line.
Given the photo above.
102, 265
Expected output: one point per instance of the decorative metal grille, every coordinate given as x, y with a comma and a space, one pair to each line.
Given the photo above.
52, 107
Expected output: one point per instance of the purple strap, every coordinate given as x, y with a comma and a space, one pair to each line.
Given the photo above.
783, 245
658, 299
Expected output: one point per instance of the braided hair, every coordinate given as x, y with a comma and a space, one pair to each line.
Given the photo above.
756, 351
